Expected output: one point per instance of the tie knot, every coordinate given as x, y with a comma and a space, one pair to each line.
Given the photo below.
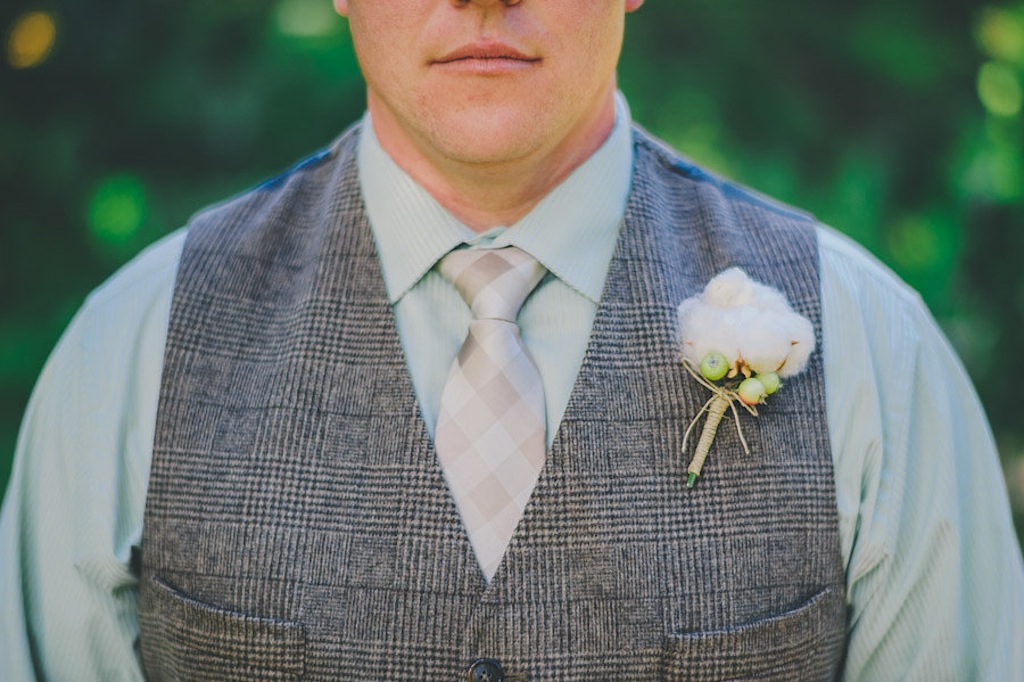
493, 282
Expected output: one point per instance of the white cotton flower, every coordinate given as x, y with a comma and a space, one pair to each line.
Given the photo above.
711, 335
749, 323
732, 288
766, 345
800, 351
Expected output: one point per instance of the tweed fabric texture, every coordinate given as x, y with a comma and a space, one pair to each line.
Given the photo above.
298, 524
490, 434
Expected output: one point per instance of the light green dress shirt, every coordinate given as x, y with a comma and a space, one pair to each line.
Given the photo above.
934, 575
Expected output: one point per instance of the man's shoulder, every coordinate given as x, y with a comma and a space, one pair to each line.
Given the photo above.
854, 272
859, 278
671, 166
141, 282
303, 185
695, 215
145, 284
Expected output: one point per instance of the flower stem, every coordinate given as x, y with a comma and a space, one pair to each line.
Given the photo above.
716, 410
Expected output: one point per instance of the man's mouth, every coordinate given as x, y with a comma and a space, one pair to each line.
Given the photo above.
487, 55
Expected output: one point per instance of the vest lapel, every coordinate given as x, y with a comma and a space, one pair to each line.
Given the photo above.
631, 370
402, 441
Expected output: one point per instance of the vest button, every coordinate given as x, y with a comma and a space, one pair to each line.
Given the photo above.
485, 670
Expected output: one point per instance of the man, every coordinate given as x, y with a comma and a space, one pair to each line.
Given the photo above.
245, 455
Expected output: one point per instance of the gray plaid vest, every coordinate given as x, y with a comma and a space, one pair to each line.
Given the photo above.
298, 525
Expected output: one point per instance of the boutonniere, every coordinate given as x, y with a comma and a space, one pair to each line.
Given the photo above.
739, 339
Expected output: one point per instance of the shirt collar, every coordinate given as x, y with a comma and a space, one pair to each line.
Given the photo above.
572, 231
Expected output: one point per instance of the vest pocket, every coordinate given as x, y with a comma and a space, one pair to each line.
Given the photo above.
805, 643
185, 639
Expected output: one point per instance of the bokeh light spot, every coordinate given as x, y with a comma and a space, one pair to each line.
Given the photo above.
999, 89
914, 244
1001, 34
31, 39
306, 19
117, 208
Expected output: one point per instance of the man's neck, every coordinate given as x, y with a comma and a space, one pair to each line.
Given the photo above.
485, 195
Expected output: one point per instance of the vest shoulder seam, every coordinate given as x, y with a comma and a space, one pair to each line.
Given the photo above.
730, 190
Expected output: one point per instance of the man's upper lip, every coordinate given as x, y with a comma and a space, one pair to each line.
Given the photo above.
485, 51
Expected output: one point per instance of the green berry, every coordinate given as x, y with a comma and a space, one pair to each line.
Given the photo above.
752, 391
714, 366
771, 382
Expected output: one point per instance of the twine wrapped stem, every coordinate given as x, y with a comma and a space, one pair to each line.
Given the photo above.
715, 408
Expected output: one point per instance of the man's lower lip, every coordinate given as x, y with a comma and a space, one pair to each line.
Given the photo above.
490, 65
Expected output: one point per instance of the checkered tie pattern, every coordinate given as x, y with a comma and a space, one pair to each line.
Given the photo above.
490, 434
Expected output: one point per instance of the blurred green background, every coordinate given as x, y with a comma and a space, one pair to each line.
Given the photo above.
898, 123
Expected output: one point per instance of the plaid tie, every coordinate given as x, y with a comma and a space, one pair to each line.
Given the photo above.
490, 430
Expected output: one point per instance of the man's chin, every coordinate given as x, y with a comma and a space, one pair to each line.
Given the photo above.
488, 143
